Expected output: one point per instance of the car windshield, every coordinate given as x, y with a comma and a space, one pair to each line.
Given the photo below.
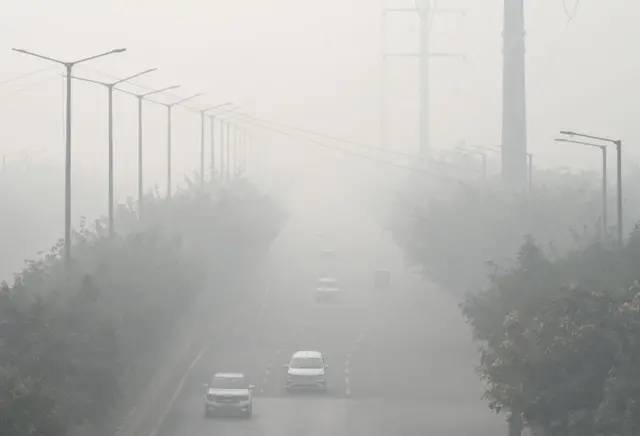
229, 383
306, 363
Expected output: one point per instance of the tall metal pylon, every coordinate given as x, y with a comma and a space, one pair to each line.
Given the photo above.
514, 107
425, 11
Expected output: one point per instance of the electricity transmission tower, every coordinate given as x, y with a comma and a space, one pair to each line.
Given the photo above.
514, 114
426, 13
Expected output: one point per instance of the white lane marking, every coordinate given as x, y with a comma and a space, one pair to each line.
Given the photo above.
267, 372
348, 392
125, 420
178, 389
132, 411
346, 370
184, 378
264, 301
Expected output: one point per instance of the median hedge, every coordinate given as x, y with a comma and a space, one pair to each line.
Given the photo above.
73, 344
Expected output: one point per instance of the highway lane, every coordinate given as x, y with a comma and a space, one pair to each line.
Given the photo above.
401, 363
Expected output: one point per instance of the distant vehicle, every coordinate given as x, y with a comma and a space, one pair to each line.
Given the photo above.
327, 288
228, 393
382, 279
306, 370
328, 254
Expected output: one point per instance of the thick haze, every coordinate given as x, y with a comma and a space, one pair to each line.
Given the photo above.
312, 64
227, 280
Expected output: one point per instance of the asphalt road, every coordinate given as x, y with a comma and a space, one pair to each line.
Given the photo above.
400, 362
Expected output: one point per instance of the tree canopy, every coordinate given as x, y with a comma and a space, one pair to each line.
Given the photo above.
73, 343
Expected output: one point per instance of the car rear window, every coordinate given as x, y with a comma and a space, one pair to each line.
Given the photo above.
229, 383
306, 363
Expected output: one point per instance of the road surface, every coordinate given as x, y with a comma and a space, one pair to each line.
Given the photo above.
400, 362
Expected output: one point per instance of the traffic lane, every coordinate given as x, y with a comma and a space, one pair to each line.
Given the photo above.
331, 328
423, 348
299, 416
407, 417
247, 350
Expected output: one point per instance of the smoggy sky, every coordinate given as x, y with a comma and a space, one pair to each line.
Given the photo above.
313, 64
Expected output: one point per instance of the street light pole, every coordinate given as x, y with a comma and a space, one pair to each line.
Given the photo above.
605, 226
110, 87
603, 150
228, 152
530, 171
67, 180
202, 139
618, 144
169, 110
140, 98
224, 143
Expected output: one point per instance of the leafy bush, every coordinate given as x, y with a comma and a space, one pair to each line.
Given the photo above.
453, 231
560, 340
72, 343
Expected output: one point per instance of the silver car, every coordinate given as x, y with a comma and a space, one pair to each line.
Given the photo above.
228, 393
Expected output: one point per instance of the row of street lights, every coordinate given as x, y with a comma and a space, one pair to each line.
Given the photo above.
111, 86
568, 135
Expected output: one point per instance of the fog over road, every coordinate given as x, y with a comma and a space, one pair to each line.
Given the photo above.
400, 363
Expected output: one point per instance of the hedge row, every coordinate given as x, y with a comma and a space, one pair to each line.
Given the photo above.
73, 342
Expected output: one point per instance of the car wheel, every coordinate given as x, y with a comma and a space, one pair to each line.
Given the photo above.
248, 413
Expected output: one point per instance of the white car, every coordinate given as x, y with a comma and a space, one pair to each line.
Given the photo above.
327, 289
306, 370
228, 393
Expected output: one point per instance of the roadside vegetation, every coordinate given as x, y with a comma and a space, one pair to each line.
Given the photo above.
74, 344
555, 307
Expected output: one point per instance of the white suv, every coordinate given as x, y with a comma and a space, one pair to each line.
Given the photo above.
228, 393
306, 370
327, 289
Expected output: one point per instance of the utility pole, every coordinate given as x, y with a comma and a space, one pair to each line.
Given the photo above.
426, 13
514, 112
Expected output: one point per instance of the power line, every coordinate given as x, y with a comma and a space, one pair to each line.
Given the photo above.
410, 168
345, 141
26, 88
22, 76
